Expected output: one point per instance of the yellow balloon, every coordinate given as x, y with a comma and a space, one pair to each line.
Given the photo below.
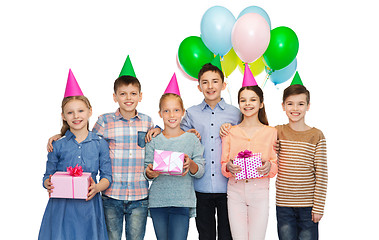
229, 63
256, 67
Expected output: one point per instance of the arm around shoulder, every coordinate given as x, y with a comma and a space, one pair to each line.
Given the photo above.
197, 157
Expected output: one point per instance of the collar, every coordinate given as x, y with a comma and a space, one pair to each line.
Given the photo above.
118, 115
69, 135
221, 104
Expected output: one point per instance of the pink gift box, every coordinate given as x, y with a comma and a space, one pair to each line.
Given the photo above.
249, 166
67, 186
168, 163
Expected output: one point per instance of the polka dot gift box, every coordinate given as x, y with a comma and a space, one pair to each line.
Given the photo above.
249, 162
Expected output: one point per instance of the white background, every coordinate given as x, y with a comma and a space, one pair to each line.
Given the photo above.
41, 40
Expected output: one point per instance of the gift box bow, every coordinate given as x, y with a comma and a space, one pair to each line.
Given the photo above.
244, 154
76, 171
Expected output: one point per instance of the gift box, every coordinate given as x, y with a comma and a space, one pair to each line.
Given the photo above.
168, 163
70, 184
249, 162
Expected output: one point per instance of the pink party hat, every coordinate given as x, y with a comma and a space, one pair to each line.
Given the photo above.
172, 86
72, 86
248, 78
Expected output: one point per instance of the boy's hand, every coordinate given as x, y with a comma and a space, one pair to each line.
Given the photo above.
51, 140
153, 132
150, 173
316, 217
224, 129
265, 168
92, 190
48, 185
233, 168
195, 132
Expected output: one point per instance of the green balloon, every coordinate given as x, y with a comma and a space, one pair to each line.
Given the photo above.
193, 54
282, 49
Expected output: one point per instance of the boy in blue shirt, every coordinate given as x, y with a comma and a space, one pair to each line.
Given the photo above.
207, 118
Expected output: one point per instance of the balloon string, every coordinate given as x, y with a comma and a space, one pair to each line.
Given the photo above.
227, 86
264, 83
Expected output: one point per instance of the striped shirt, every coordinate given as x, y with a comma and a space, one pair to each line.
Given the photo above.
126, 156
302, 176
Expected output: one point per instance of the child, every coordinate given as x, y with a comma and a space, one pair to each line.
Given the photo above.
248, 200
302, 178
77, 218
124, 130
207, 118
172, 199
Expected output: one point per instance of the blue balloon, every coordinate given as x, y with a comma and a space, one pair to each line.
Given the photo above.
216, 29
284, 74
256, 9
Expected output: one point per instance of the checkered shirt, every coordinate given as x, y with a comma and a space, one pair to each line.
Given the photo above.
127, 157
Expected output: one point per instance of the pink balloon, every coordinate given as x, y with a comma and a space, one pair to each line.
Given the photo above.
250, 37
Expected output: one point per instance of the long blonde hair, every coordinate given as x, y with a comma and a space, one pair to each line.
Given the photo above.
65, 100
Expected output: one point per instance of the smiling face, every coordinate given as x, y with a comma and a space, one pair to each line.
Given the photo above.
76, 113
249, 103
127, 97
295, 107
171, 111
211, 85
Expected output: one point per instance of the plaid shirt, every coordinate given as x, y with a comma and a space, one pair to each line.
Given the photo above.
126, 156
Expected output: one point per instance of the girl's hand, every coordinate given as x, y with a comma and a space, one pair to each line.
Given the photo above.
195, 132
150, 173
48, 185
152, 133
233, 168
51, 140
92, 190
316, 217
224, 129
265, 169
277, 146
186, 164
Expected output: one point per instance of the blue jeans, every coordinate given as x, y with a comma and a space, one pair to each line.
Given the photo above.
170, 223
295, 223
135, 213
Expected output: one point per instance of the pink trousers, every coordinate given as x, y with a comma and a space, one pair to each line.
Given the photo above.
248, 202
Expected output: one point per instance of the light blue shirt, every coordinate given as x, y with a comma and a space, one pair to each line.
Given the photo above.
207, 122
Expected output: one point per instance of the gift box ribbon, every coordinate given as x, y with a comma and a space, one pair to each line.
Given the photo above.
245, 154
77, 171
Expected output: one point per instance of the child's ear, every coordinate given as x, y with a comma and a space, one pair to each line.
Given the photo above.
160, 115
198, 87
284, 108
90, 112
114, 97
309, 105
262, 105
223, 86
63, 118
140, 97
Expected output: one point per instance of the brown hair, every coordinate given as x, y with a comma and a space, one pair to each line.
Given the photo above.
65, 100
262, 112
126, 80
209, 67
172, 95
296, 89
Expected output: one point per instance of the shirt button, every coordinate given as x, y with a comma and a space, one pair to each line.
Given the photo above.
213, 162
213, 113
78, 156
211, 124
211, 136
213, 175
212, 149
80, 146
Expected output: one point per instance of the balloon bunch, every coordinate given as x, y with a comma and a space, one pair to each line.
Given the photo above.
247, 39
